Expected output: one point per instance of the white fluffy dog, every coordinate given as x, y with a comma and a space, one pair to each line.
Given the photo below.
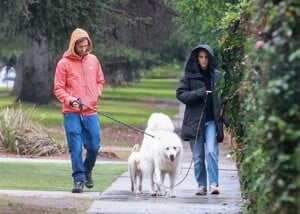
135, 171
161, 154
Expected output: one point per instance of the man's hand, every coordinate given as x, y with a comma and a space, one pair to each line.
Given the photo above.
76, 103
208, 92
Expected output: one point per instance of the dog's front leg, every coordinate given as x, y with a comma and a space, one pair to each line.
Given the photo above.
160, 176
172, 176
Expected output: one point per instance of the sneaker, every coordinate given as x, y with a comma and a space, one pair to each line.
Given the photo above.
214, 190
201, 191
78, 187
88, 181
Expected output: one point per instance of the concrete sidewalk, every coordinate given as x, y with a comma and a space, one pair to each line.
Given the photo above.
119, 199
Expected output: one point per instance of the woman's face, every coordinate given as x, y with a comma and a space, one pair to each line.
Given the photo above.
203, 59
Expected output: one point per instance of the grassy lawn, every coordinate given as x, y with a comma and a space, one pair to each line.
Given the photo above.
54, 176
132, 104
159, 89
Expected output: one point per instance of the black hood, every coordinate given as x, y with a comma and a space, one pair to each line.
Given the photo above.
192, 62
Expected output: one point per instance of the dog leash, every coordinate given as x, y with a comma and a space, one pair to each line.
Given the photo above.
196, 139
81, 105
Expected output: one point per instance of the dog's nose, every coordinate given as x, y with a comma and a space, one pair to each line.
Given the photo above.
172, 157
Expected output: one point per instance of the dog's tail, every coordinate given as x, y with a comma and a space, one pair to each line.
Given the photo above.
136, 148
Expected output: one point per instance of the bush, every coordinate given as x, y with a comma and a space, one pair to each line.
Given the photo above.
264, 107
19, 134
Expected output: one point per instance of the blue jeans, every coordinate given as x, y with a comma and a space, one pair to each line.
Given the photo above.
82, 131
205, 155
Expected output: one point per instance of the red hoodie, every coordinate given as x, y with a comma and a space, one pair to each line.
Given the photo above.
79, 77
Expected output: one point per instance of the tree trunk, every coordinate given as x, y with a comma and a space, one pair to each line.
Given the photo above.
34, 78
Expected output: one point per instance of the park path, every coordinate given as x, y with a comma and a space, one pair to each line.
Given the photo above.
119, 199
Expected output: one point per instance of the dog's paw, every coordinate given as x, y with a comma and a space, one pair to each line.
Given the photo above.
172, 194
153, 194
162, 193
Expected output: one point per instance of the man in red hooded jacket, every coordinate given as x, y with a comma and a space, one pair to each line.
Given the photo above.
79, 80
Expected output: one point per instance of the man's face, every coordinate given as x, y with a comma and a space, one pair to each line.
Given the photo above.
203, 59
81, 47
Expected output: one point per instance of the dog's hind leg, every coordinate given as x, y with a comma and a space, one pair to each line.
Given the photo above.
153, 191
133, 180
140, 183
135, 186
132, 186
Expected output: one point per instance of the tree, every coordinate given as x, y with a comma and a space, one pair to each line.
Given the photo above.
45, 25
150, 39
114, 25
200, 20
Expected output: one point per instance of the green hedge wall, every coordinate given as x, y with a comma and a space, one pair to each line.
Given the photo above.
264, 101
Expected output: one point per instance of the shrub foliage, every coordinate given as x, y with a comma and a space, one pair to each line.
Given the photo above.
264, 107
19, 134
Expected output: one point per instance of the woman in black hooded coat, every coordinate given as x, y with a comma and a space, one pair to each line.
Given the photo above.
202, 123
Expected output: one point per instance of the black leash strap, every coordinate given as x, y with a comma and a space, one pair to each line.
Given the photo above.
196, 139
112, 118
125, 124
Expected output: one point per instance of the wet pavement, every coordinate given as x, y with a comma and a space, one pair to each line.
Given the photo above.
119, 199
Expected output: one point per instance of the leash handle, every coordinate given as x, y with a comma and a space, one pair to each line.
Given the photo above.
79, 101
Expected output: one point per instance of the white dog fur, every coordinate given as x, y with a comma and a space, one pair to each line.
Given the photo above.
161, 154
135, 171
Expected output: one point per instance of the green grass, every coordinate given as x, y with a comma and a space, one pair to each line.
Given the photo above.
158, 89
54, 176
131, 104
5, 98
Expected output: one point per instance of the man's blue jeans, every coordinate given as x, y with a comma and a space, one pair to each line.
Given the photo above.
82, 131
205, 155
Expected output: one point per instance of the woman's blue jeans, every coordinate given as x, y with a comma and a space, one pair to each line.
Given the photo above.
82, 131
205, 155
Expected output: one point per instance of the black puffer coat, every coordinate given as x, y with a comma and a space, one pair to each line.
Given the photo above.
191, 91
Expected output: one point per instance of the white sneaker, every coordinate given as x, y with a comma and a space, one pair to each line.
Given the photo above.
202, 190
214, 190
